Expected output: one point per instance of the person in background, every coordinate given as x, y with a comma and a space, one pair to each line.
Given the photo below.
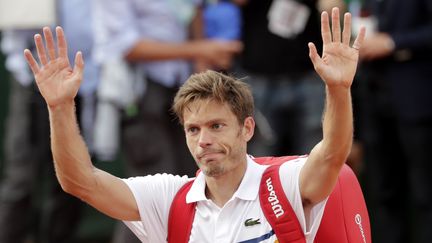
79, 26
222, 21
396, 77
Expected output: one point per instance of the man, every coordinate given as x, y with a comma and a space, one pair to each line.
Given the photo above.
216, 112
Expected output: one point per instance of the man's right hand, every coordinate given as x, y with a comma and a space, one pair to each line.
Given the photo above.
57, 81
217, 53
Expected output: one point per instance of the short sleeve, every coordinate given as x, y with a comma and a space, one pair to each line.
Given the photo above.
153, 195
290, 174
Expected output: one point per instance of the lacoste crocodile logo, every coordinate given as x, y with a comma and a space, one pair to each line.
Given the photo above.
252, 222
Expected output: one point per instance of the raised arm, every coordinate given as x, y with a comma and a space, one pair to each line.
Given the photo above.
59, 84
337, 68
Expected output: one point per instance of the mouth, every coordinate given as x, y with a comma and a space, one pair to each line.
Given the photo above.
209, 156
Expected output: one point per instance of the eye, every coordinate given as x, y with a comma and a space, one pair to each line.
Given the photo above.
217, 126
192, 130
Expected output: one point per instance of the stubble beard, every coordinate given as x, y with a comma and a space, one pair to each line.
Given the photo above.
214, 170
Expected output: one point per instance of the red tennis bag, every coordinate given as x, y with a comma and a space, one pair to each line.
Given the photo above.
345, 218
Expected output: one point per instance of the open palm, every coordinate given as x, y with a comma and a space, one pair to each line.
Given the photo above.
56, 80
338, 63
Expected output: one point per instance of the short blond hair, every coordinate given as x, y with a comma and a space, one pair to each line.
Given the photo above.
211, 85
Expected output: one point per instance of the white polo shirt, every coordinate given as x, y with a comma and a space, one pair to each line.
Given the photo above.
154, 195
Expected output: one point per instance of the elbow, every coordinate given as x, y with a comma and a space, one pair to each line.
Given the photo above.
131, 54
136, 53
337, 152
131, 57
336, 160
336, 156
75, 190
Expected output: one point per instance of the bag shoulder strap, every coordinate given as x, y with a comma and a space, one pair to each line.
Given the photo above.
181, 216
276, 160
277, 209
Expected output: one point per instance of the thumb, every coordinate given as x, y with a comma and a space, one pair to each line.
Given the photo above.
313, 55
79, 66
79, 62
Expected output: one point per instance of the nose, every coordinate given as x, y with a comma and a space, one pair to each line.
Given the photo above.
205, 138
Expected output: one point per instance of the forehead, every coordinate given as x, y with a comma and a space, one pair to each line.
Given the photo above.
202, 111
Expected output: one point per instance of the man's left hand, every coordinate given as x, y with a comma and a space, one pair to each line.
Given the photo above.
338, 63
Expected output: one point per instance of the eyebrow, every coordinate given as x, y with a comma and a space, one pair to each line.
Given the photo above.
213, 121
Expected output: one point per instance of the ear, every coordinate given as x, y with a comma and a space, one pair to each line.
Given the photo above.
248, 128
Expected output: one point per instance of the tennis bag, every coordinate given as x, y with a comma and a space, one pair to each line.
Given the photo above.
345, 218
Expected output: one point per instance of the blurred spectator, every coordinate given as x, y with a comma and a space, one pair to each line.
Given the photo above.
28, 156
288, 93
78, 27
222, 20
154, 38
396, 75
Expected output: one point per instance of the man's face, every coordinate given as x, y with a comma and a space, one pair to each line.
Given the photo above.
215, 138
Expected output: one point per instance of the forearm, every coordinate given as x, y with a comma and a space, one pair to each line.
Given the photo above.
327, 5
71, 158
327, 157
147, 50
197, 26
337, 125
79, 177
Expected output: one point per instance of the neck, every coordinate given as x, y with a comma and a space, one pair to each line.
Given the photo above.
220, 189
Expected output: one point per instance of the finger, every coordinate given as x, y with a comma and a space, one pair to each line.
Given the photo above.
226, 61
346, 34
315, 58
79, 65
50, 43
360, 38
234, 47
78, 69
31, 61
61, 42
336, 31
40, 49
325, 28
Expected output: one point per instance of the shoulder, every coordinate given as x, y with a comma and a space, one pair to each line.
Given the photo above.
154, 195
289, 173
292, 166
162, 184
